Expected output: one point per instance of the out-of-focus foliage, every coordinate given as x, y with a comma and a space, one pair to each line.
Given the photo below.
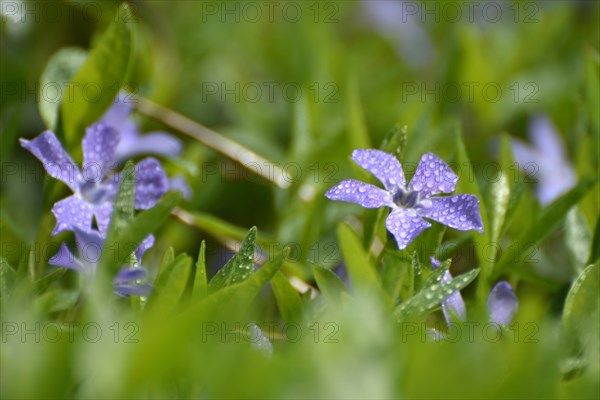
317, 301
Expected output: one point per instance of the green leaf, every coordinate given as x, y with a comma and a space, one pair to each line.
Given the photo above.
581, 314
59, 71
500, 195
167, 259
430, 297
359, 136
395, 141
200, 283
98, 80
595, 250
329, 284
578, 238
8, 277
288, 300
145, 223
417, 268
437, 274
239, 267
56, 300
362, 273
43, 283
170, 284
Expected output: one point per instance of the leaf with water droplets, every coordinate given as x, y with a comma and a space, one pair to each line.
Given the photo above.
239, 267
430, 297
417, 272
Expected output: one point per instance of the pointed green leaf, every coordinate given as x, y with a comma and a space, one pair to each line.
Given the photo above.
43, 283
430, 297
581, 314
359, 136
170, 284
437, 274
200, 282
56, 300
97, 82
167, 259
288, 300
417, 272
239, 267
329, 284
595, 250
59, 71
578, 238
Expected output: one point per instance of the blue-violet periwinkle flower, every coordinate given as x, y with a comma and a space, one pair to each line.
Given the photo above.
454, 304
502, 303
413, 202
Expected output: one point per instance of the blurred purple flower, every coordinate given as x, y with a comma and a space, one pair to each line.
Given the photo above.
132, 143
89, 249
410, 204
454, 304
93, 189
545, 160
502, 303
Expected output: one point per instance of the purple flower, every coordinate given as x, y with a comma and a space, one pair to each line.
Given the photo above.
410, 204
131, 143
454, 304
94, 190
502, 304
545, 160
89, 249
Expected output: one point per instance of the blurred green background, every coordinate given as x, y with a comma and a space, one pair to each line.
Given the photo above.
303, 84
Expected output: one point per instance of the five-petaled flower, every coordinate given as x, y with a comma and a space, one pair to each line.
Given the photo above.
89, 244
413, 202
93, 187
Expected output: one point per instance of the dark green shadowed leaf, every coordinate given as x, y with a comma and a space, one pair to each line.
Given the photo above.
430, 297
170, 285
395, 141
329, 284
97, 82
58, 71
44, 282
288, 300
8, 277
200, 283
239, 267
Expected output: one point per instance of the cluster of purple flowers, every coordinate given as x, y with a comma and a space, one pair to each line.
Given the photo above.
415, 201
106, 144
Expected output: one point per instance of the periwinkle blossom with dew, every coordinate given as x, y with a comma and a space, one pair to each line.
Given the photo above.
413, 202
89, 245
94, 188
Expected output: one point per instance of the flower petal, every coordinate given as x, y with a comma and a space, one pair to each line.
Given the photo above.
130, 274
64, 258
99, 144
118, 113
366, 195
151, 183
179, 183
89, 244
144, 246
158, 143
433, 176
125, 290
384, 166
459, 212
502, 303
57, 162
405, 225
453, 304
103, 213
70, 213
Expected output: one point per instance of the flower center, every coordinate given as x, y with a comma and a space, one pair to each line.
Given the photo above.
92, 192
406, 199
